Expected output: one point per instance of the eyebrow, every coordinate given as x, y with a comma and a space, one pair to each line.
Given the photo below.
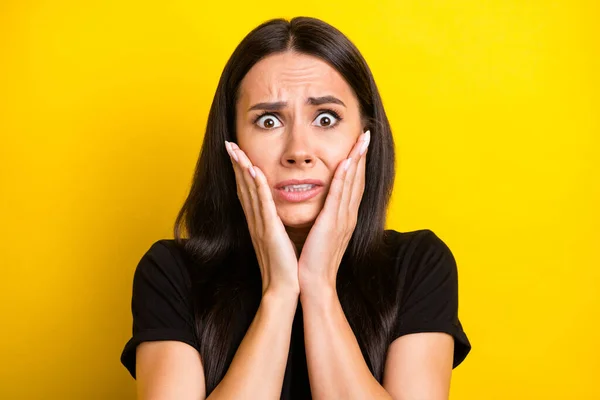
311, 101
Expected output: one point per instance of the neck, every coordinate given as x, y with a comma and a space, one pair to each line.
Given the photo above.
298, 237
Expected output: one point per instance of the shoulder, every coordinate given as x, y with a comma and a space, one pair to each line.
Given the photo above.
427, 288
161, 302
412, 249
166, 250
422, 262
165, 263
413, 238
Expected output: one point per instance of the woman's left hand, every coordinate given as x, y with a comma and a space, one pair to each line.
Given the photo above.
328, 238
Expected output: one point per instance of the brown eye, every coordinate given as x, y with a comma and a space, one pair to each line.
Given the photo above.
267, 121
327, 119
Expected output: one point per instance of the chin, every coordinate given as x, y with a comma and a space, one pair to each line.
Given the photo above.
298, 216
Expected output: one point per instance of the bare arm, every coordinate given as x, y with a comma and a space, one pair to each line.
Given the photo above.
419, 366
168, 370
336, 367
258, 366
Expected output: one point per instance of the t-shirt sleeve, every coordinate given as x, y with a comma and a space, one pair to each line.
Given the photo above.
160, 302
429, 293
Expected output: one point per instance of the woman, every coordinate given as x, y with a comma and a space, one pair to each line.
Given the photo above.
287, 285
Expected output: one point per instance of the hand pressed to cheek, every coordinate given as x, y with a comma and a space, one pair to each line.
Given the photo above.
355, 175
274, 250
347, 186
245, 194
328, 238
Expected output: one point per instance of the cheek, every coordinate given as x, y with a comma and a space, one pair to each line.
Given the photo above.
264, 160
254, 149
335, 155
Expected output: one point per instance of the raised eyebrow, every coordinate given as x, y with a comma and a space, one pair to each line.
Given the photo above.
311, 101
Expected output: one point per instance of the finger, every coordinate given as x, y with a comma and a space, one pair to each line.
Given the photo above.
350, 180
242, 190
251, 187
359, 185
250, 177
264, 208
236, 170
268, 210
334, 196
244, 161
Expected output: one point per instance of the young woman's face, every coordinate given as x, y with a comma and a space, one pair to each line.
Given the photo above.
296, 134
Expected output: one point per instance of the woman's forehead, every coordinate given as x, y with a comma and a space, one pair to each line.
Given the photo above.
290, 77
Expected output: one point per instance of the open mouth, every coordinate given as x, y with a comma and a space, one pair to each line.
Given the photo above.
298, 188
299, 193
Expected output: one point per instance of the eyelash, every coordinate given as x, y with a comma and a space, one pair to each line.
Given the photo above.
321, 111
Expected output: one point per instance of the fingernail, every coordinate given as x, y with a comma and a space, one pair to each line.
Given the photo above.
347, 164
252, 172
365, 144
231, 151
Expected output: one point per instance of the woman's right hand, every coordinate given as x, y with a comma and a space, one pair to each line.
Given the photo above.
274, 249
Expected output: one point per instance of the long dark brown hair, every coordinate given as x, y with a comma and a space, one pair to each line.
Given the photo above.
225, 274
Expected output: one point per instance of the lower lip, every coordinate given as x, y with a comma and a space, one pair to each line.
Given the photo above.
296, 197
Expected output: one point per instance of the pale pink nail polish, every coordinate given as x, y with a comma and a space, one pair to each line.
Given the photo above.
231, 151
366, 141
364, 147
252, 172
347, 165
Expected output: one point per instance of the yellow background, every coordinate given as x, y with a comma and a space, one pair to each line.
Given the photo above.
495, 108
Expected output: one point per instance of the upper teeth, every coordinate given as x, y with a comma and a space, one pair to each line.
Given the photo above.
295, 188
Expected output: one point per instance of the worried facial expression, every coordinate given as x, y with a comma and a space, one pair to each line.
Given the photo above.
297, 119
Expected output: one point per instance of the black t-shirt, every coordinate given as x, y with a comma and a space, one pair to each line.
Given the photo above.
423, 265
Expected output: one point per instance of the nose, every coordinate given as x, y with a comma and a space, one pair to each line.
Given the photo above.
298, 152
